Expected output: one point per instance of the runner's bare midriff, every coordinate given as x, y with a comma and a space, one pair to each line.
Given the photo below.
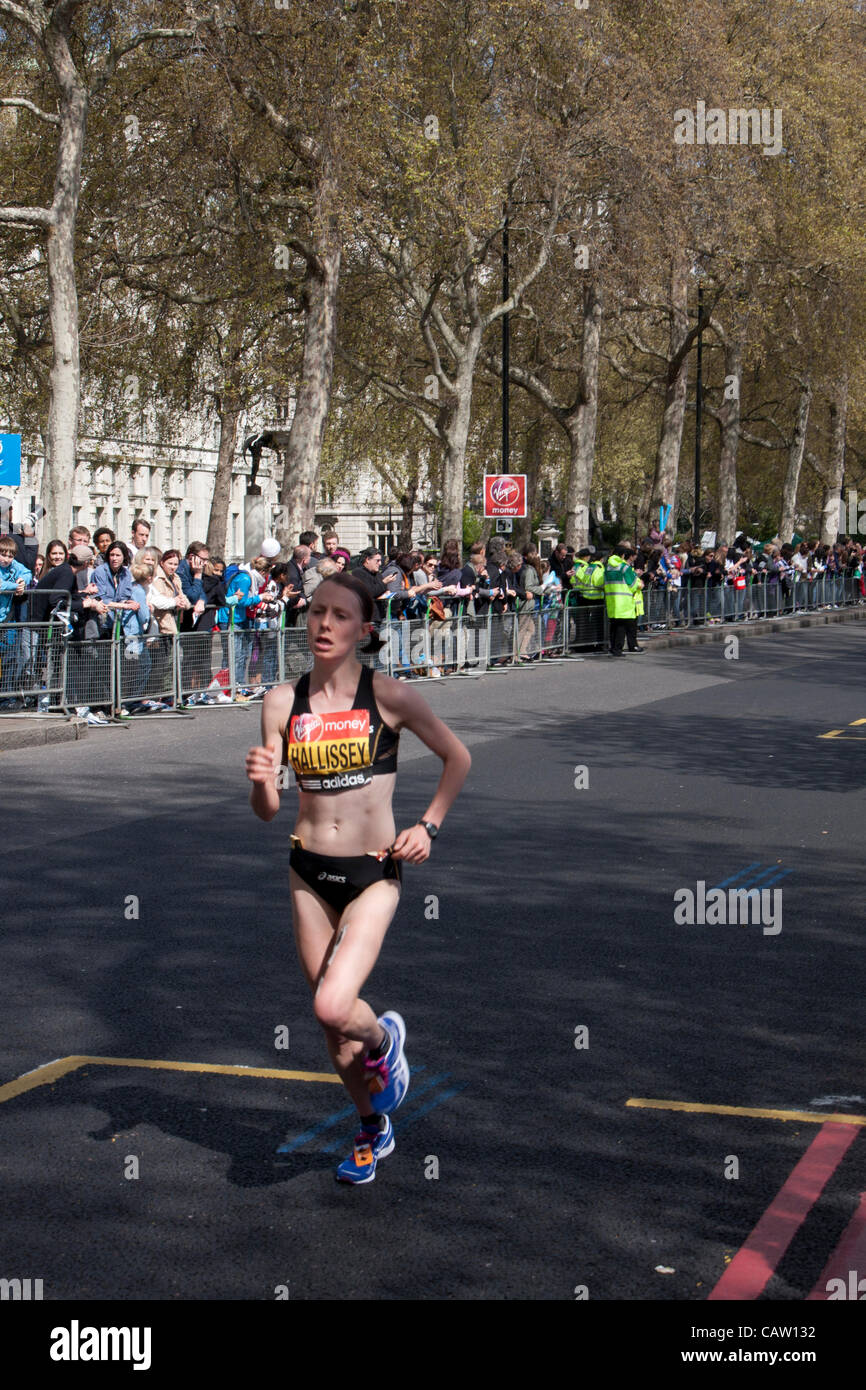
350, 822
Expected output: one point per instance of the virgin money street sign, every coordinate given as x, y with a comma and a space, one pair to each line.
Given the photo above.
504, 494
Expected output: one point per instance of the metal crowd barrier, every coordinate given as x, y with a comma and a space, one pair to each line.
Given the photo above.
51, 669
697, 605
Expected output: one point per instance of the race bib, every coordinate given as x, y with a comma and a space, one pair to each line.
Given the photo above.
319, 744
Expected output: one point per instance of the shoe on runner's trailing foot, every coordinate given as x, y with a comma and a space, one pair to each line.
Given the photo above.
387, 1077
360, 1166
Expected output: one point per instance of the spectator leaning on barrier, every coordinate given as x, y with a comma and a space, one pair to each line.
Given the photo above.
213, 588
532, 574
497, 577
449, 566
695, 577
14, 578
166, 599
114, 587
524, 603
259, 569
141, 572
551, 584
166, 596
475, 576
559, 564
316, 574
137, 647
190, 572
370, 577
297, 568
58, 574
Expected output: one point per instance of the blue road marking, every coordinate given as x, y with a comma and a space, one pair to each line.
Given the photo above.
326, 1124
775, 879
428, 1085
726, 881
753, 883
437, 1100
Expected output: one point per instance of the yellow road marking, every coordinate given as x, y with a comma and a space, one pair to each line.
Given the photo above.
856, 721
813, 1117
840, 733
40, 1077
51, 1071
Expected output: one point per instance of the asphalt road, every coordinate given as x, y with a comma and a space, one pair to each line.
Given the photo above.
555, 908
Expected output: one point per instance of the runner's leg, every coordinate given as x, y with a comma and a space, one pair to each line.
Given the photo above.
337, 955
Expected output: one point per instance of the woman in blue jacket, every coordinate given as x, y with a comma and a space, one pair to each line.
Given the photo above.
240, 595
114, 586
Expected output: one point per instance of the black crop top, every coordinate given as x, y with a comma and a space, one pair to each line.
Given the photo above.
343, 748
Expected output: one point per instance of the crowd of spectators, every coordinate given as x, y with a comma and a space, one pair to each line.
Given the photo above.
97, 587
744, 580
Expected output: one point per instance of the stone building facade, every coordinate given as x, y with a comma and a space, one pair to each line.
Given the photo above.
118, 480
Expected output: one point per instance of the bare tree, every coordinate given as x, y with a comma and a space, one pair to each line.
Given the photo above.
76, 84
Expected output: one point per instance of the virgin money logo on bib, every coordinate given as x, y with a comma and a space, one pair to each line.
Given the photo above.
306, 728
338, 742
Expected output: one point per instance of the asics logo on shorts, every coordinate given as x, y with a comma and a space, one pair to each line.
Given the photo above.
332, 878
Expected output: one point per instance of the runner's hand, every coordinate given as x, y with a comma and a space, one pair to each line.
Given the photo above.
413, 845
261, 765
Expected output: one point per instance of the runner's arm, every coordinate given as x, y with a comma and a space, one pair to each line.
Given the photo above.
413, 712
263, 763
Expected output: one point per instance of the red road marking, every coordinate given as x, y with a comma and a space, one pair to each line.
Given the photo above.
850, 1254
751, 1268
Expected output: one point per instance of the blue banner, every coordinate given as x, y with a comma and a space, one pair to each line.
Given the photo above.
10, 460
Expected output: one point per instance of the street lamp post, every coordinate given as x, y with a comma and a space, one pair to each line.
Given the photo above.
699, 414
506, 343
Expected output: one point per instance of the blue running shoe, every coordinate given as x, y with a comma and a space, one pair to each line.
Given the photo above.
360, 1166
387, 1077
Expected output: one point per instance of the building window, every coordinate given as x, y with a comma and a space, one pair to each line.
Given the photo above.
76, 516
235, 533
383, 535
187, 521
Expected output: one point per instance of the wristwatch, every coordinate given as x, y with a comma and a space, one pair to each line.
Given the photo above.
432, 830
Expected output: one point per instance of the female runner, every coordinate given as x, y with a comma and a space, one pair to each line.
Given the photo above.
338, 727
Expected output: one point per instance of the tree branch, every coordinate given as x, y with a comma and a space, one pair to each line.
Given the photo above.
534, 271
23, 16
146, 36
27, 217
396, 392
28, 105
530, 383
